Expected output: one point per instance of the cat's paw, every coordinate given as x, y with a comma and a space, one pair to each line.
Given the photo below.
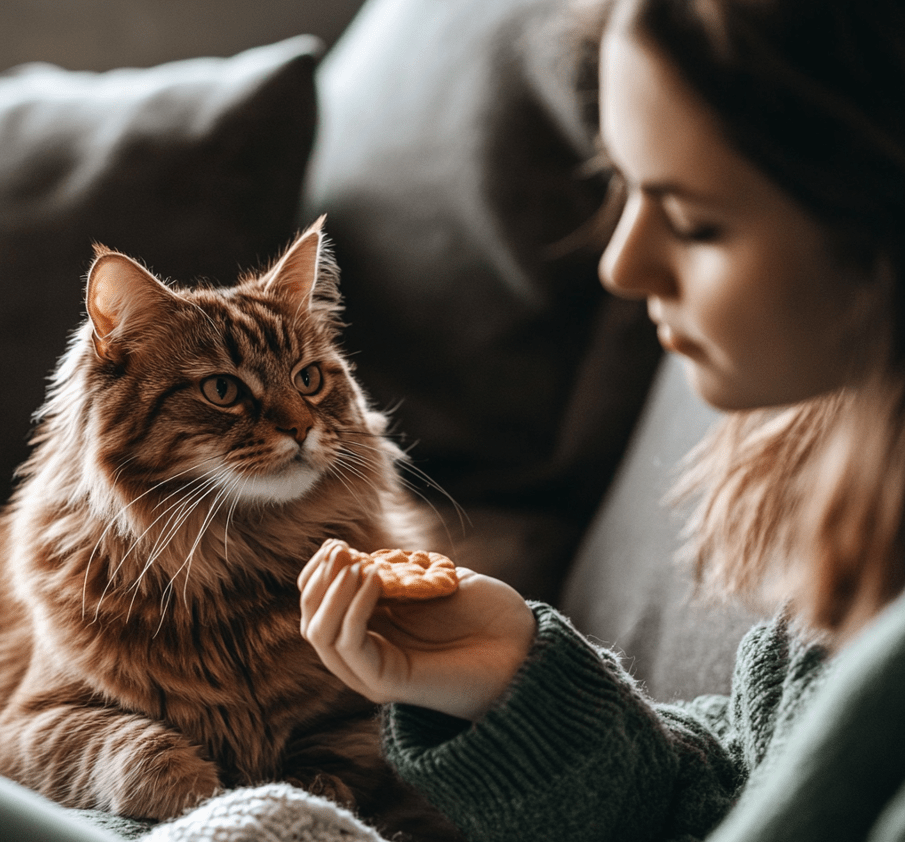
164, 780
327, 786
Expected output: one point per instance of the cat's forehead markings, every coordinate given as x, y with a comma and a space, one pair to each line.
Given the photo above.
251, 379
259, 330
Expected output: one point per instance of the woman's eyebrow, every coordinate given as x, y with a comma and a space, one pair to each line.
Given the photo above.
662, 189
658, 189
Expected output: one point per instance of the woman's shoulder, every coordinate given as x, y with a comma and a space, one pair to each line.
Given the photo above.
778, 669
840, 771
779, 656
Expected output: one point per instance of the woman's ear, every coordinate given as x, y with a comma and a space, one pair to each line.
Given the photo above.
121, 295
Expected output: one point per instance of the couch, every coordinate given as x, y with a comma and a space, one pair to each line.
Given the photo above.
451, 146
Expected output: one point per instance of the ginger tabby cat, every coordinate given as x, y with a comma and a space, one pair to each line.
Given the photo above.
196, 447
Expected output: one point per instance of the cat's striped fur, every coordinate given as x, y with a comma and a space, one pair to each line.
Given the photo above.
196, 447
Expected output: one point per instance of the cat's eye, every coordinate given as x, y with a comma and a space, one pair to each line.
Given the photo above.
308, 380
221, 390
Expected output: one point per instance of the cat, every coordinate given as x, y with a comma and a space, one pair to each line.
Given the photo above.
196, 447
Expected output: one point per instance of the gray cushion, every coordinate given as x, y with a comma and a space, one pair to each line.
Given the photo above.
625, 588
194, 167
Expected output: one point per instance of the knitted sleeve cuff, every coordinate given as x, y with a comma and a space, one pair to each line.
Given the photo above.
572, 719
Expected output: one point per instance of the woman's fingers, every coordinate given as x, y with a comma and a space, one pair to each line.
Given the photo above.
322, 621
332, 593
336, 608
329, 549
355, 643
455, 654
317, 576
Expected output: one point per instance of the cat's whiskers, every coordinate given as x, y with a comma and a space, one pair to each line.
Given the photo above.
335, 470
341, 464
215, 508
363, 459
418, 473
177, 511
229, 515
360, 464
352, 463
183, 510
353, 458
220, 498
122, 466
113, 522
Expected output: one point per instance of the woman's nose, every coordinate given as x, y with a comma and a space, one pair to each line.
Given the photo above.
634, 263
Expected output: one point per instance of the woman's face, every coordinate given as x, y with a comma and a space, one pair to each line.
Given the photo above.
738, 278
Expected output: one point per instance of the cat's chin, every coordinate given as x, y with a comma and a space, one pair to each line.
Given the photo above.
290, 483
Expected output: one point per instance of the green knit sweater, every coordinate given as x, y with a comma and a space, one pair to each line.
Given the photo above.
807, 748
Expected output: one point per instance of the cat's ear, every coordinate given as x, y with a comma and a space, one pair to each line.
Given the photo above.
294, 275
120, 294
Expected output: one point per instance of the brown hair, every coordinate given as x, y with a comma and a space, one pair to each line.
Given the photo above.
806, 503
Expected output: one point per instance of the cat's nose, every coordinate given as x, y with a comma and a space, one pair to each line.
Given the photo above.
298, 433
295, 421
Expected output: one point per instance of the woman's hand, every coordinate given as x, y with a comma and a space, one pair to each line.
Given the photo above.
455, 654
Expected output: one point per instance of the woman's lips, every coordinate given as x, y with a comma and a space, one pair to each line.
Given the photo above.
671, 339
676, 343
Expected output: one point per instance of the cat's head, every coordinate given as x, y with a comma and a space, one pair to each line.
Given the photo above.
241, 391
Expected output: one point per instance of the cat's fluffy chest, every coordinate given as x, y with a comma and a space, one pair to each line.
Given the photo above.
238, 685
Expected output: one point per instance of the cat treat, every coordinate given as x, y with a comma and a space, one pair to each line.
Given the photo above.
415, 574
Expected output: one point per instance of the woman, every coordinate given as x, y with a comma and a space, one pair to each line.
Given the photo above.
760, 145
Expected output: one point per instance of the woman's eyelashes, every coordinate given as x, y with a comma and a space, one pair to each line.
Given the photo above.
680, 221
703, 233
683, 226
692, 220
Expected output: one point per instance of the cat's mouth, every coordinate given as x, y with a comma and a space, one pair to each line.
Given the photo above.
293, 479
290, 473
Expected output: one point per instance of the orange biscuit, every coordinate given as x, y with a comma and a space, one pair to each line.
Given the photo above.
413, 574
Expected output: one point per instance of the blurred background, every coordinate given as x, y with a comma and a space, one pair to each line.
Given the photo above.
102, 34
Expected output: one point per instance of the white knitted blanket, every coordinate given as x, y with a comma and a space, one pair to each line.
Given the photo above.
269, 813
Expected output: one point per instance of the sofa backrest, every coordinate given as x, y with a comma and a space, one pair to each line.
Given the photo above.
625, 588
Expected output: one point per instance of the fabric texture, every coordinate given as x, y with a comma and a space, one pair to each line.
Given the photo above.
26, 816
194, 167
270, 813
575, 751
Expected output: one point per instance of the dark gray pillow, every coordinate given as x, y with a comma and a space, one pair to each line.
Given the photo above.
194, 166
452, 160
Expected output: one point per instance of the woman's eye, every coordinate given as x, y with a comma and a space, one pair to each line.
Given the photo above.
699, 234
692, 232
221, 390
308, 380
687, 225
